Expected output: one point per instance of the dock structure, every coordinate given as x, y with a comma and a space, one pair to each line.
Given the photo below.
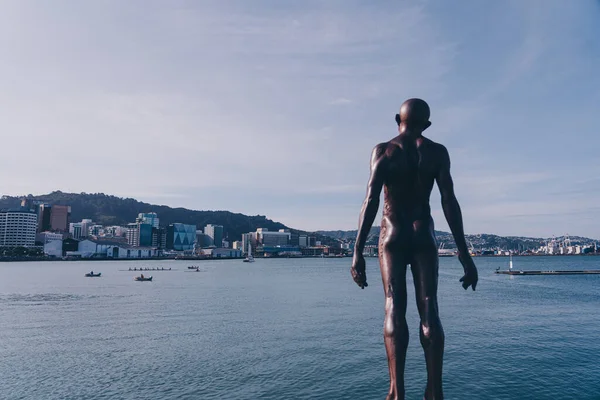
559, 272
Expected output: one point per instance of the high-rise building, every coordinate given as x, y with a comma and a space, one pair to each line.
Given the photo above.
18, 227
139, 235
294, 239
248, 239
75, 230
81, 229
159, 238
148, 218
215, 232
303, 241
43, 214
181, 237
59, 218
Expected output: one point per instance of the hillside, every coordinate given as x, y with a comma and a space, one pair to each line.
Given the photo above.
480, 241
111, 210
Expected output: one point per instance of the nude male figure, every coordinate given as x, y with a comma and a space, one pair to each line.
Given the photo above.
406, 168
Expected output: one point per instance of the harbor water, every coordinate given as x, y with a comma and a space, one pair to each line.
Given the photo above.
289, 329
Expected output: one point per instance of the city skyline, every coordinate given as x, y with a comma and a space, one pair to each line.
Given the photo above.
273, 109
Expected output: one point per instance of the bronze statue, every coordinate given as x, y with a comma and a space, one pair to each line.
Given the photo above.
406, 167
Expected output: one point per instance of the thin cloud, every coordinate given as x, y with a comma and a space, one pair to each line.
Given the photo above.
340, 101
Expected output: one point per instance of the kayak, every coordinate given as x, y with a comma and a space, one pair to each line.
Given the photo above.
89, 275
140, 279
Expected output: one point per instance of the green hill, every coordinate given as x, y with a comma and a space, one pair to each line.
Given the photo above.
111, 210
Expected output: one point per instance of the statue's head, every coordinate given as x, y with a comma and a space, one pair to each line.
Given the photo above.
414, 113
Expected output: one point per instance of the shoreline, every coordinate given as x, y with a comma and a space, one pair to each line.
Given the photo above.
54, 259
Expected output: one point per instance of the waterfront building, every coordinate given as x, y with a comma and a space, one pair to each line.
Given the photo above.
139, 234
215, 232
18, 227
48, 236
237, 245
267, 238
52, 242
69, 245
148, 218
202, 239
281, 251
181, 237
90, 248
221, 253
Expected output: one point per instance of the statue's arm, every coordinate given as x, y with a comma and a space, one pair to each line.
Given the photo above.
450, 203
371, 204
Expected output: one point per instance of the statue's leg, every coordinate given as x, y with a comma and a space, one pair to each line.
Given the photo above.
395, 329
424, 267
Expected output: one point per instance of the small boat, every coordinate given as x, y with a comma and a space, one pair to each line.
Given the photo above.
193, 267
143, 278
93, 275
249, 257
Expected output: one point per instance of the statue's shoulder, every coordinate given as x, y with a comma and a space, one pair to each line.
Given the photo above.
438, 148
380, 150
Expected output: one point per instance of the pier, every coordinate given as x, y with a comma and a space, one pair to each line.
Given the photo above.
559, 272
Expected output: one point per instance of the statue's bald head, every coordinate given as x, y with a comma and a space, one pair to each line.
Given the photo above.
415, 113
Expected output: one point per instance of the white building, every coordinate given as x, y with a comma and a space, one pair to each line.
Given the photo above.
107, 249
267, 238
215, 232
18, 227
52, 243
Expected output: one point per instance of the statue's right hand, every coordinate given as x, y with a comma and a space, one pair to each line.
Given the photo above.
358, 271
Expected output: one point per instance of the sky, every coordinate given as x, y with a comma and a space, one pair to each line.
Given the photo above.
273, 107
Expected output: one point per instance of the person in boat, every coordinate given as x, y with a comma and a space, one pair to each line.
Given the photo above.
142, 276
130, 268
406, 168
91, 272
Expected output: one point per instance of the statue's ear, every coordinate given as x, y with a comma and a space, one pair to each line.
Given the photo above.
398, 119
427, 125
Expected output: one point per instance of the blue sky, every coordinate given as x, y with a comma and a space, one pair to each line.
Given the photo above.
273, 107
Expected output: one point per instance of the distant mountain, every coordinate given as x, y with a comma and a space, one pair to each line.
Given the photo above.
480, 241
111, 210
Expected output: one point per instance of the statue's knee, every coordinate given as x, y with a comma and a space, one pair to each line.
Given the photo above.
394, 326
432, 332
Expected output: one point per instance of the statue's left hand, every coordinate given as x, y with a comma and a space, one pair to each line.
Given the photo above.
358, 271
